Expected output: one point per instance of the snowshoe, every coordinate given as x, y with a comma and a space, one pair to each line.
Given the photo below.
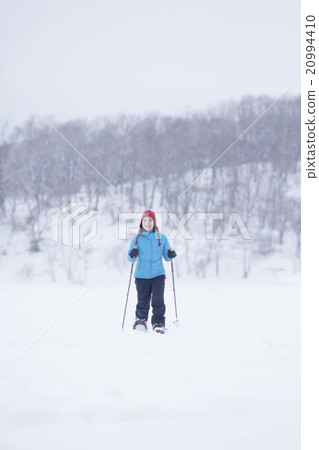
159, 328
140, 324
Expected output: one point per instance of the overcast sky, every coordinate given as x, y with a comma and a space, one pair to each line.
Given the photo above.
83, 59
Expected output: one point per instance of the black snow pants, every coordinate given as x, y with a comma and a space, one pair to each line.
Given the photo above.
151, 290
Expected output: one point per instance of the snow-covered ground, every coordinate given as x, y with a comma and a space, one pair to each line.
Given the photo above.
211, 383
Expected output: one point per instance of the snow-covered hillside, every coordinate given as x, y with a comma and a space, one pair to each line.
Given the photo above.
228, 377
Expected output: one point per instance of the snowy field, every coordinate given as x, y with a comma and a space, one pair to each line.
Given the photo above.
211, 383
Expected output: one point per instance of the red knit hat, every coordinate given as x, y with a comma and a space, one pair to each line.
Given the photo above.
151, 214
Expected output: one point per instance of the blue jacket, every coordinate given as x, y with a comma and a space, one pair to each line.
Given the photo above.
150, 254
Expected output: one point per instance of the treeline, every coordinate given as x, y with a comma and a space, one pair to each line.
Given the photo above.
155, 158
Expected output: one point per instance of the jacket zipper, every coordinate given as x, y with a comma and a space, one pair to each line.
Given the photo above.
151, 257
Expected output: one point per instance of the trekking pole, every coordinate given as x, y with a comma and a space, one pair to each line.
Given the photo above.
128, 291
176, 321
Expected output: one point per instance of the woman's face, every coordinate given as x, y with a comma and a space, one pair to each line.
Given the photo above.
148, 223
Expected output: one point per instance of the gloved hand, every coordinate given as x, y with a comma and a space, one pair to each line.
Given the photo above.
171, 253
134, 252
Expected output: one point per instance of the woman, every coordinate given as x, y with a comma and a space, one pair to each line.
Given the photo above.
150, 246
